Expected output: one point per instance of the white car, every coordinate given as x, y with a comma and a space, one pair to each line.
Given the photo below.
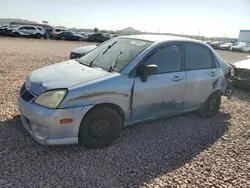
226, 46
28, 30
57, 31
241, 47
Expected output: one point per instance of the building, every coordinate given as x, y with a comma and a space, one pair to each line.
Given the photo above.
244, 36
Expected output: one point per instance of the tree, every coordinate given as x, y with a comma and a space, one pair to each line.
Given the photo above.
96, 30
104, 31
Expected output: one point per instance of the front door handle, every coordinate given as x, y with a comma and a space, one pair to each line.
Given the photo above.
177, 78
213, 74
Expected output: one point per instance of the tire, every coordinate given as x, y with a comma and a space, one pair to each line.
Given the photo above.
80, 39
16, 34
100, 128
211, 107
38, 35
62, 38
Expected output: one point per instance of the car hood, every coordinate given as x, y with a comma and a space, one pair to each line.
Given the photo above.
62, 75
84, 49
245, 64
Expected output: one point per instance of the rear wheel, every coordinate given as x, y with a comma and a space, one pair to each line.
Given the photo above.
38, 35
16, 34
211, 107
100, 128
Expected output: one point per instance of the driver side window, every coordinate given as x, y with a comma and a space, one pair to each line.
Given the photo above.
167, 58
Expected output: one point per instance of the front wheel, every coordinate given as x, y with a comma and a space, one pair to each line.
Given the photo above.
211, 107
100, 128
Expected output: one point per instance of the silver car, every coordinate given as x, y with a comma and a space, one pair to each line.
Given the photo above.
125, 81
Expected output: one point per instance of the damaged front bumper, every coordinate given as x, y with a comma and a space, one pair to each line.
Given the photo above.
242, 78
229, 89
229, 84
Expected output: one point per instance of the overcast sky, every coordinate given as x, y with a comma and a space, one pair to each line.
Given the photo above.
209, 17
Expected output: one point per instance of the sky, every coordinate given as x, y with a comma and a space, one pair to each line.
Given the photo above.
193, 17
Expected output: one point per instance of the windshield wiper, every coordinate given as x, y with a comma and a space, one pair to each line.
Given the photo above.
79, 61
90, 64
116, 61
109, 47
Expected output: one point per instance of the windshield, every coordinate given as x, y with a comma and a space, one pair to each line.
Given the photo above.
115, 54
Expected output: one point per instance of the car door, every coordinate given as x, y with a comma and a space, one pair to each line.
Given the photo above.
23, 31
163, 92
202, 74
30, 30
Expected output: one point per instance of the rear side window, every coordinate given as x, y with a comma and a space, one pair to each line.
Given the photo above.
167, 58
197, 57
30, 28
57, 30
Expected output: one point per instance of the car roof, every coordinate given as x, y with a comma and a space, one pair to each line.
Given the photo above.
158, 38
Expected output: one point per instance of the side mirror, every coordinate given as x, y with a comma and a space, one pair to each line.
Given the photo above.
145, 71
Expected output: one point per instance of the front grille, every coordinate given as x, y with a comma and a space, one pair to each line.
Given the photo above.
25, 94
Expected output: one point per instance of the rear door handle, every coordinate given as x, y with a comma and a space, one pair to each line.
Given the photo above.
213, 74
177, 78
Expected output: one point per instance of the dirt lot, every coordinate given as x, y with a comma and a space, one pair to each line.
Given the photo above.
184, 151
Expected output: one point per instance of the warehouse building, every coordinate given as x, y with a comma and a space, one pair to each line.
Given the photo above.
244, 36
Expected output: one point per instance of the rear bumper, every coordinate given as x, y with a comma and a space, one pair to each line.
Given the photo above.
44, 124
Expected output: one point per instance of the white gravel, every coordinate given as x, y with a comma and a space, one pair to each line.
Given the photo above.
184, 151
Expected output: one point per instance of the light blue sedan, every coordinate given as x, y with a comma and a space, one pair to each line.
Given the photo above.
124, 81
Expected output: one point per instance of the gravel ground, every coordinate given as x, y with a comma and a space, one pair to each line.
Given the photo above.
184, 151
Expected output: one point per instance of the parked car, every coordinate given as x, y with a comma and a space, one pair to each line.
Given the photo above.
241, 47
242, 73
86, 36
68, 35
57, 31
98, 37
112, 36
226, 46
81, 51
6, 30
3, 29
216, 44
32, 31
126, 80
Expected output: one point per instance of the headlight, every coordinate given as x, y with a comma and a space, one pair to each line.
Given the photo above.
51, 99
232, 72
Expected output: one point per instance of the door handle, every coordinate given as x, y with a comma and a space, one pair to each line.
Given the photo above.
177, 78
213, 74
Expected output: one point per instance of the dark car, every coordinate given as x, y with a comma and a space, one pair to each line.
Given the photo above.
68, 35
98, 37
242, 74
